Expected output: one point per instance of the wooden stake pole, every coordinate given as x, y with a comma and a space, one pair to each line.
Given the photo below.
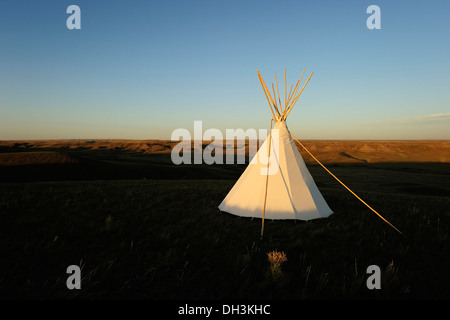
289, 97
267, 180
294, 93
278, 92
285, 91
275, 98
295, 100
302, 75
379, 215
260, 80
264, 85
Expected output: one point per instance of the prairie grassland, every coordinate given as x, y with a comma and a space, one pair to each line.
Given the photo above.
140, 227
165, 239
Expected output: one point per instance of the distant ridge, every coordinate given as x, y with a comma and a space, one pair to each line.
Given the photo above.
28, 158
328, 151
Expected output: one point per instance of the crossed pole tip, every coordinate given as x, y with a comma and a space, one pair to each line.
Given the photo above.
290, 99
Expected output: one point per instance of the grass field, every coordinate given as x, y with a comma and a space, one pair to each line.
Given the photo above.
142, 228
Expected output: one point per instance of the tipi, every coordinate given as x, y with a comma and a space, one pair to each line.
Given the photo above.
281, 188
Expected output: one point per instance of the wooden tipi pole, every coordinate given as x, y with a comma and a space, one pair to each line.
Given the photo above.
265, 93
267, 90
357, 197
298, 95
267, 180
293, 93
285, 91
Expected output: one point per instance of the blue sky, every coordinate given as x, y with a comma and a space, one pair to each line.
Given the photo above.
141, 69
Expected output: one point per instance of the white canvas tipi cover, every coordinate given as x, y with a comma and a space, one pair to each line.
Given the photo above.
291, 191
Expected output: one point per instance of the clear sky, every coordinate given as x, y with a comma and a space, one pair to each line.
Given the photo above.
141, 69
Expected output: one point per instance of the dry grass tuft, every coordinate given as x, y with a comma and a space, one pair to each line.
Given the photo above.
276, 259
